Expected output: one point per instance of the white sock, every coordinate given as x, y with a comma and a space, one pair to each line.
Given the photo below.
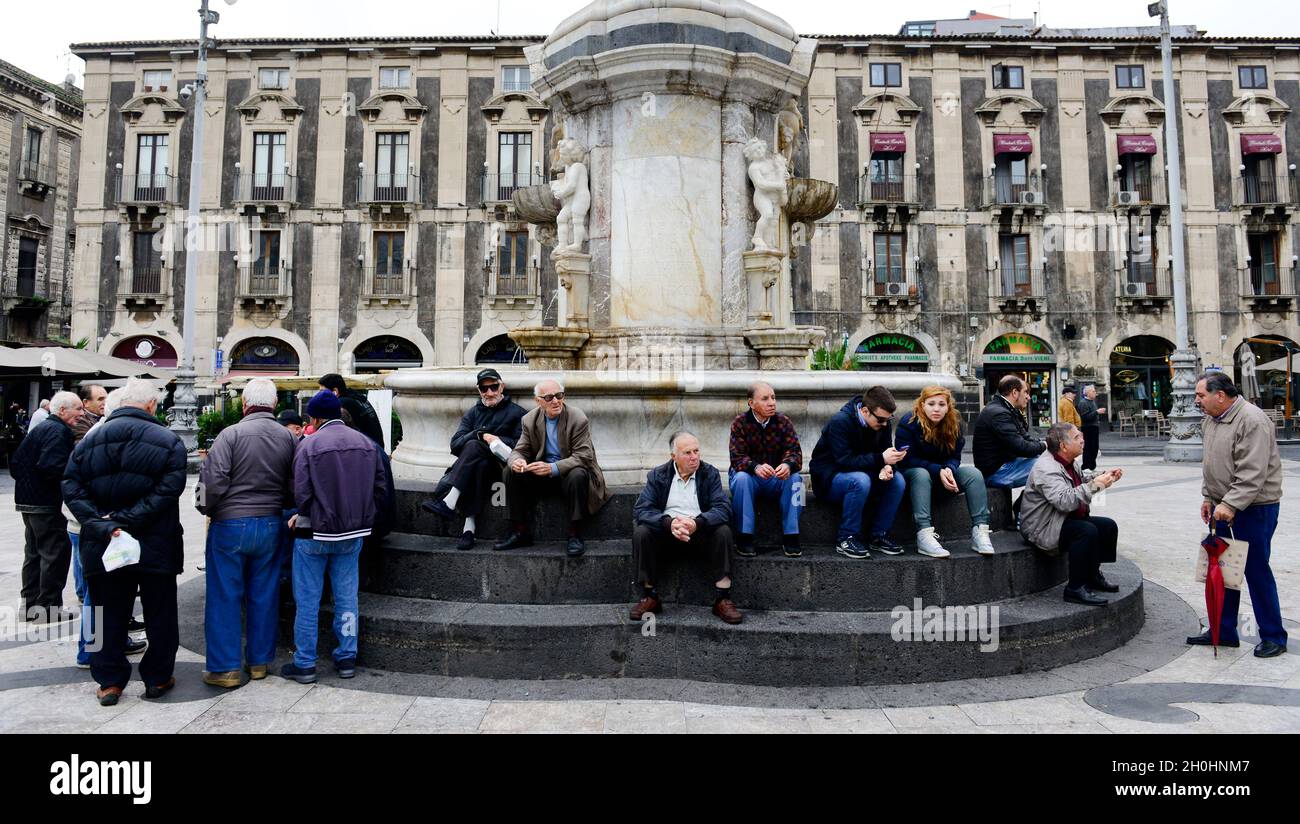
469, 524
452, 497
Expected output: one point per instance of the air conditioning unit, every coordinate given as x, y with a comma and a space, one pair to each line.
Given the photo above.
895, 290
1129, 199
1134, 290
1031, 198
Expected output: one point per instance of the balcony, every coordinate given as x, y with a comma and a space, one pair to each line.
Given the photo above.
1144, 285
1253, 191
387, 193
35, 179
152, 190
143, 286
883, 195
511, 288
1003, 193
516, 86
498, 188
384, 285
22, 293
1017, 290
1144, 195
1268, 285
265, 283
263, 190
891, 287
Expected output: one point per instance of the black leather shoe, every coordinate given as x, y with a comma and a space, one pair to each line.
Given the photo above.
746, 550
1203, 640
1269, 649
134, 625
136, 647
575, 547
1082, 595
439, 508
1100, 584
466, 541
515, 540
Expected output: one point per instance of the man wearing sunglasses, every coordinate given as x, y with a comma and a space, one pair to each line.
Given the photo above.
854, 461
555, 455
481, 444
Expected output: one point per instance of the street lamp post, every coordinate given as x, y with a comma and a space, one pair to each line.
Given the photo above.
1184, 419
184, 412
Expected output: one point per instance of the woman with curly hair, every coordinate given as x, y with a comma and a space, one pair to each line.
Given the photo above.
931, 436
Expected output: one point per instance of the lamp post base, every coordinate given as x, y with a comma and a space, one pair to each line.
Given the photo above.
1185, 445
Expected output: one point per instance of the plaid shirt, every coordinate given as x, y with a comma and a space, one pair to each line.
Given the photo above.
753, 445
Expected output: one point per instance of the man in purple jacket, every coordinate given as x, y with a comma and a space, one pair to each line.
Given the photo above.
339, 484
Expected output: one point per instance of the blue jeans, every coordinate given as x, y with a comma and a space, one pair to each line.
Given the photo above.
921, 485
285, 553
1255, 524
1012, 474
745, 488
83, 595
311, 561
243, 575
853, 489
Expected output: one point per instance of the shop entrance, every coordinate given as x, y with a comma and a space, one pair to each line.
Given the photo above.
1032, 360
1141, 376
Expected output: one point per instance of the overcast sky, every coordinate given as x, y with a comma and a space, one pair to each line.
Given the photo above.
35, 35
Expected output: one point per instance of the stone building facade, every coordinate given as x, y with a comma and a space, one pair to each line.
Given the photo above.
1002, 205
40, 147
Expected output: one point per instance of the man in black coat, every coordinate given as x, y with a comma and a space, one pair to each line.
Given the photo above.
683, 505
37, 469
126, 478
357, 411
1005, 447
481, 444
1091, 427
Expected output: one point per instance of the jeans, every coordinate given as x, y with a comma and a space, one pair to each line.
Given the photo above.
1012, 474
745, 488
1255, 524
285, 551
921, 484
243, 576
83, 595
853, 489
312, 560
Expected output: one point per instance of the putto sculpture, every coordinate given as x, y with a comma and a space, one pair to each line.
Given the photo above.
769, 174
574, 194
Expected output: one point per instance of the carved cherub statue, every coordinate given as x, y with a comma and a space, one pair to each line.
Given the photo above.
571, 189
789, 129
768, 173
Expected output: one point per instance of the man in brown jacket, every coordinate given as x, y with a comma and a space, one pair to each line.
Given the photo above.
1242, 494
1066, 412
555, 454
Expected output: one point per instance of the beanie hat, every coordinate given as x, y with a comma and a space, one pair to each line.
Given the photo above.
325, 406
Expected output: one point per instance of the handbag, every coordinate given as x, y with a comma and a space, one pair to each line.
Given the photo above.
1232, 561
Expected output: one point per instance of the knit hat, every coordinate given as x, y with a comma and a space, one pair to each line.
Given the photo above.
324, 406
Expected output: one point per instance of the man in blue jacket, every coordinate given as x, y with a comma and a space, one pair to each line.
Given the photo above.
339, 485
683, 505
854, 457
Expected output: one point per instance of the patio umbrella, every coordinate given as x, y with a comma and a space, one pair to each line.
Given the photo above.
1249, 381
62, 360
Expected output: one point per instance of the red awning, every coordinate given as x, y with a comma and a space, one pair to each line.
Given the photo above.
1012, 144
1136, 144
888, 142
1261, 144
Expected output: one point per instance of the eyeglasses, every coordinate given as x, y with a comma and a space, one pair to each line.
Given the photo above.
558, 396
879, 419
488, 388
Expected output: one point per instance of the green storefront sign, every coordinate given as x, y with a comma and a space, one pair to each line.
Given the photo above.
891, 348
1028, 346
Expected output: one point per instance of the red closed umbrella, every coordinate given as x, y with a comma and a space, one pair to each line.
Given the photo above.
1214, 547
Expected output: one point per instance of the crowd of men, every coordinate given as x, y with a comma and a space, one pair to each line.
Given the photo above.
293, 502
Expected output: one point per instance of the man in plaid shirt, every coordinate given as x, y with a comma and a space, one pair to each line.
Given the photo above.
765, 463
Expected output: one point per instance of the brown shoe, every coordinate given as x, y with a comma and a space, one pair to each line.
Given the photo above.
160, 690
257, 672
725, 609
646, 604
108, 696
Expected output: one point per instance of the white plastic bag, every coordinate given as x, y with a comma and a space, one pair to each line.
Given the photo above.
123, 550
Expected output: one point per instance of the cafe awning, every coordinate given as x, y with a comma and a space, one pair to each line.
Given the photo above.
1261, 144
1012, 144
1136, 144
62, 360
888, 142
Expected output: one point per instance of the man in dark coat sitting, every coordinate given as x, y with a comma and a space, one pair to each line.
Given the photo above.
683, 504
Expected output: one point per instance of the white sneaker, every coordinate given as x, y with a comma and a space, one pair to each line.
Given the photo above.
927, 544
980, 539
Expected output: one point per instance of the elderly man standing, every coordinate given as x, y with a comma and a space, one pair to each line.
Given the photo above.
37, 469
555, 454
92, 408
340, 485
1056, 515
1066, 410
765, 461
683, 506
126, 477
1090, 416
244, 486
1242, 492
481, 444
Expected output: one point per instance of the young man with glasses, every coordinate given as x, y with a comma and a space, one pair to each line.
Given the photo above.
481, 444
853, 462
555, 455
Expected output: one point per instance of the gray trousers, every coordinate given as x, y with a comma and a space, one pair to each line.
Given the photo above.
46, 558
